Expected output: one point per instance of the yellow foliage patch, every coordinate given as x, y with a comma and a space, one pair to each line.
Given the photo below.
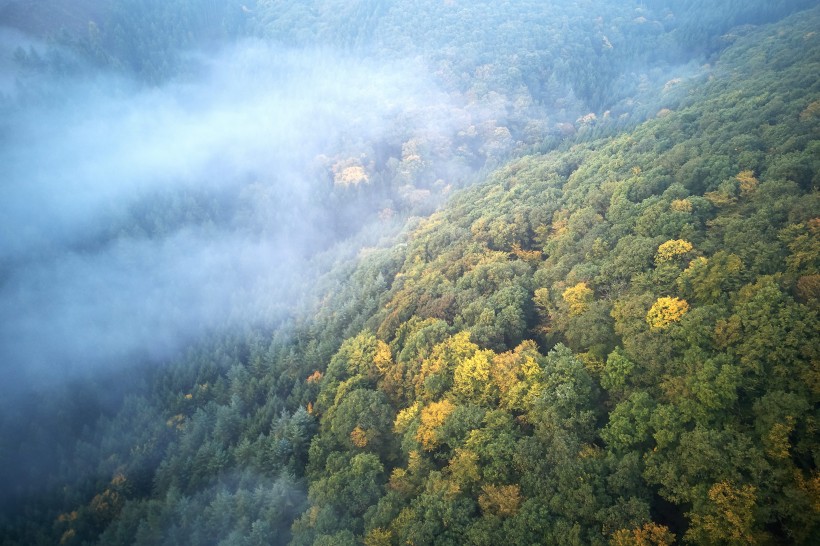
414, 461
67, 517
432, 417
665, 311
399, 481
719, 199
464, 467
590, 451
446, 355
681, 205
472, 376
68, 536
812, 111
541, 298
810, 487
504, 371
560, 221
349, 172
529, 256
777, 440
107, 504
651, 534
808, 287
671, 249
405, 417
378, 537
732, 516
359, 437
578, 298
118, 480
177, 421
383, 359
747, 181
500, 500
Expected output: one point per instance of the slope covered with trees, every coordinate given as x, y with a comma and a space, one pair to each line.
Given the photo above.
668, 276
613, 342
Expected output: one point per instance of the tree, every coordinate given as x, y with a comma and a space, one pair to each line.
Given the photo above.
666, 311
730, 518
362, 419
432, 417
471, 379
651, 534
343, 493
500, 500
436, 374
672, 250
577, 298
712, 280
629, 423
617, 372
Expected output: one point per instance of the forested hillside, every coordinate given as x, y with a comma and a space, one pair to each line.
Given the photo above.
606, 333
668, 278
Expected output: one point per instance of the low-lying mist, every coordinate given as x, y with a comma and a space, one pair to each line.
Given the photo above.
134, 219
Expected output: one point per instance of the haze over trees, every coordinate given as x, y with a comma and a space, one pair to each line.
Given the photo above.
374, 272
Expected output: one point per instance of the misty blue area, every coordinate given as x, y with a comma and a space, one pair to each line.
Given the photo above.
84, 283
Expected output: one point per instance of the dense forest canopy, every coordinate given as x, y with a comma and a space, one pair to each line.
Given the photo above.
430, 272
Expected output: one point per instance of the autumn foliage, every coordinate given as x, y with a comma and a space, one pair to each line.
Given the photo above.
432, 417
666, 311
670, 250
578, 298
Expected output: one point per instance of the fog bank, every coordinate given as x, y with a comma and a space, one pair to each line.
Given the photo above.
135, 219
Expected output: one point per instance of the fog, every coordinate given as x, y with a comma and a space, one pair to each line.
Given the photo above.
134, 220
137, 217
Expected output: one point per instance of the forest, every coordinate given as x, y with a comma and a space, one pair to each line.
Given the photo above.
388, 272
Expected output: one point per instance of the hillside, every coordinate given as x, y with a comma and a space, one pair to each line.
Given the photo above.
613, 342
669, 279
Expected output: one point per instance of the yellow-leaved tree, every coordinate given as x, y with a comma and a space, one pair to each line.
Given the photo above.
432, 417
731, 517
747, 182
500, 500
435, 375
358, 436
578, 298
672, 249
681, 205
651, 534
471, 379
405, 417
665, 311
